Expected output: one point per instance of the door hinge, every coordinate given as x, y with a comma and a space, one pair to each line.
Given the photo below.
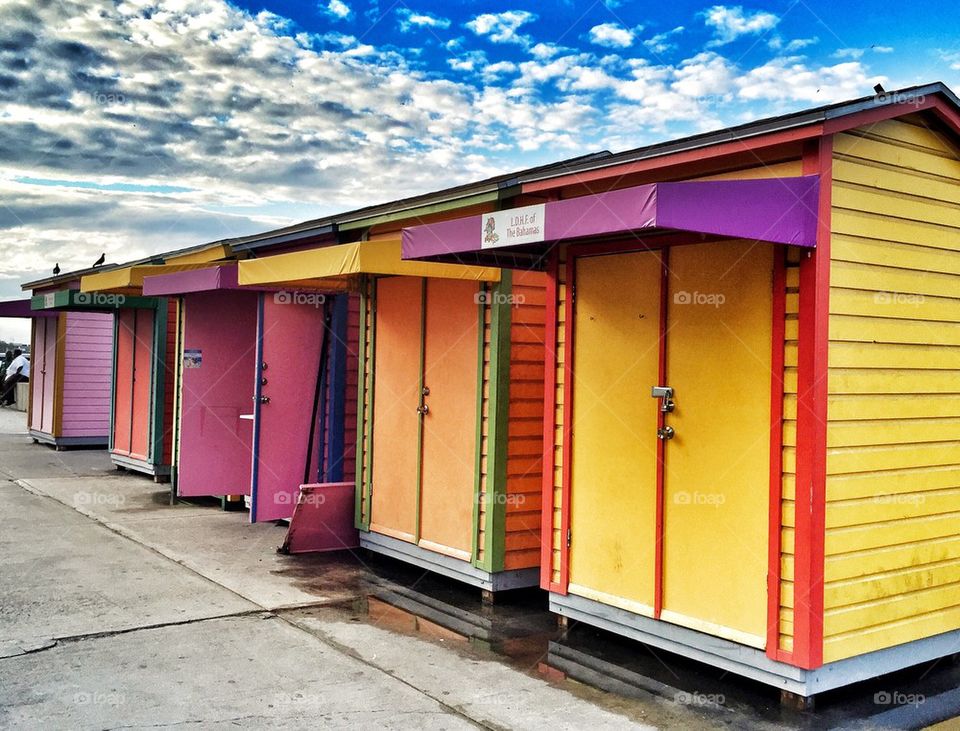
569, 537
573, 294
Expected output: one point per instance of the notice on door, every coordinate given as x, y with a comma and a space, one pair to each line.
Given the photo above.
512, 227
192, 357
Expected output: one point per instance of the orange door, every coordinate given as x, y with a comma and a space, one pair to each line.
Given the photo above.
123, 381
141, 414
396, 396
450, 418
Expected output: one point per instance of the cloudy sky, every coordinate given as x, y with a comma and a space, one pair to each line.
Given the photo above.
138, 126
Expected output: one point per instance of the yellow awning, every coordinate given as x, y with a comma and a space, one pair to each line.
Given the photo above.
208, 255
327, 266
129, 279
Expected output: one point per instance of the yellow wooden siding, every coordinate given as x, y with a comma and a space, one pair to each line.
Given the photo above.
892, 568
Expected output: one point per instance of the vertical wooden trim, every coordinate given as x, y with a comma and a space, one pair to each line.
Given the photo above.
257, 392
661, 445
177, 397
777, 345
569, 309
133, 381
112, 439
501, 320
812, 421
364, 389
34, 326
423, 355
478, 452
60, 358
158, 374
549, 424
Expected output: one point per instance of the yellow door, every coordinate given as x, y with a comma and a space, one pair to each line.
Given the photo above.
614, 448
717, 468
450, 422
396, 422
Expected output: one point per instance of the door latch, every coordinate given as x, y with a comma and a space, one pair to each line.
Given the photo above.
665, 394
423, 410
263, 399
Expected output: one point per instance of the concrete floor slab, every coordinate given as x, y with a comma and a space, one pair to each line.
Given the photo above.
253, 671
63, 575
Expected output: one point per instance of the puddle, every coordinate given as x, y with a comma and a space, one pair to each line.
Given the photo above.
624, 676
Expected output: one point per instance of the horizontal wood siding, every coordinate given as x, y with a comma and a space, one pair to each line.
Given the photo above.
168, 376
892, 570
525, 421
352, 379
365, 425
557, 541
485, 445
789, 462
88, 366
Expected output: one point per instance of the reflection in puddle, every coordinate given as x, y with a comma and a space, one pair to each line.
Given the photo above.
642, 682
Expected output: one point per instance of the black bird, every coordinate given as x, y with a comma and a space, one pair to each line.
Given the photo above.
103, 258
56, 268
878, 88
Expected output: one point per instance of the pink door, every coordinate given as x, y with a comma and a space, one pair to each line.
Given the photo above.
218, 366
291, 341
123, 381
43, 368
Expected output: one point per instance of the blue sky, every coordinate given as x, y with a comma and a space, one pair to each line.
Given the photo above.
139, 126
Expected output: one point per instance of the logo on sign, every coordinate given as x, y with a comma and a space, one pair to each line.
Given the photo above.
513, 227
49, 299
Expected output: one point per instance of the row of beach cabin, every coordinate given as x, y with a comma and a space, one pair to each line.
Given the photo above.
706, 393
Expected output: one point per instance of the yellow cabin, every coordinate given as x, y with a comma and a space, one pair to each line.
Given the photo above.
752, 454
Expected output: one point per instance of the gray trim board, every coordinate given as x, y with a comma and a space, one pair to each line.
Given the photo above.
140, 465
749, 661
69, 441
447, 566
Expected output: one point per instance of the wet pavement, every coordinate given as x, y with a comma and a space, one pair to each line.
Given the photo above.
93, 556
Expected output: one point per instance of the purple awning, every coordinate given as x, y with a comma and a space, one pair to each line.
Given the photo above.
777, 210
192, 280
21, 308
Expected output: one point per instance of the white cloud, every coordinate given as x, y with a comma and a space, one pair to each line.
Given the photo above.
777, 43
546, 50
337, 8
950, 57
611, 35
882, 49
410, 19
662, 43
502, 27
853, 53
787, 79
731, 22
494, 71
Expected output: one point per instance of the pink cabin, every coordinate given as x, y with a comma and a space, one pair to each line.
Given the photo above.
264, 404
71, 366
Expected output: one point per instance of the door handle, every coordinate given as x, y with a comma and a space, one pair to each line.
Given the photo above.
666, 432
665, 394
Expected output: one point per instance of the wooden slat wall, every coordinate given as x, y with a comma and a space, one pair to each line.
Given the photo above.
87, 374
892, 570
353, 377
364, 431
557, 540
168, 376
525, 421
788, 495
485, 446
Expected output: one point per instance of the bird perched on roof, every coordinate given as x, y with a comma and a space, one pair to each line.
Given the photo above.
99, 262
56, 268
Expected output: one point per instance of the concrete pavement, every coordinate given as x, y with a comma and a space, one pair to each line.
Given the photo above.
118, 609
